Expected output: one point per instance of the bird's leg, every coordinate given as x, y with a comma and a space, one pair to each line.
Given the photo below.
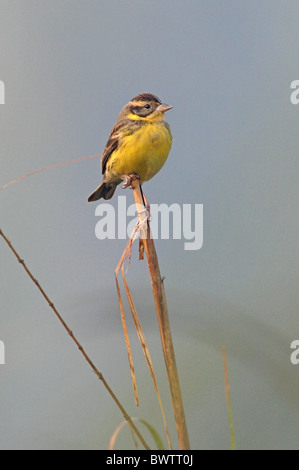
128, 180
128, 183
146, 203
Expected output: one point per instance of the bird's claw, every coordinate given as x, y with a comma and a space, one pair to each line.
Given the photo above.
128, 180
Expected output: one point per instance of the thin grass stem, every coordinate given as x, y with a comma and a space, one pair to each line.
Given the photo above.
81, 349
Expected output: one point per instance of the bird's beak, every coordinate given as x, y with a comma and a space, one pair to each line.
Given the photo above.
162, 108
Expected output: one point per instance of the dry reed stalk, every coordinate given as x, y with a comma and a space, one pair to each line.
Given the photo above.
163, 319
146, 352
57, 165
121, 267
128, 345
229, 406
87, 358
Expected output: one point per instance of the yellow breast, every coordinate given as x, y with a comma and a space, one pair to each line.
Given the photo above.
143, 153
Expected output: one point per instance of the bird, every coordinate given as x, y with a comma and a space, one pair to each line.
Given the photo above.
138, 145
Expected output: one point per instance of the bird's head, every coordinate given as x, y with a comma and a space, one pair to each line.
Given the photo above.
145, 107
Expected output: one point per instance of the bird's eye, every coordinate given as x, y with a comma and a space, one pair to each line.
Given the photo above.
147, 106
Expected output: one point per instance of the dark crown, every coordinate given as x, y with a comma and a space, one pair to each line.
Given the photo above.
146, 97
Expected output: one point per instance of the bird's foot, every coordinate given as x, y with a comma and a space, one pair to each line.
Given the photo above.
129, 179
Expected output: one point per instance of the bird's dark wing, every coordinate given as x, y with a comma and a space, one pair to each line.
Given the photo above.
111, 145
122, 128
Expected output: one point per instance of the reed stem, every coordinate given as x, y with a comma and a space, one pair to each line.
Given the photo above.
81, 349
162, 315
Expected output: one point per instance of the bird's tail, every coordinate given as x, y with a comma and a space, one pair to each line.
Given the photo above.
105, 190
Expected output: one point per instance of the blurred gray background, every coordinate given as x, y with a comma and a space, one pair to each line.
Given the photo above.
226, 67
